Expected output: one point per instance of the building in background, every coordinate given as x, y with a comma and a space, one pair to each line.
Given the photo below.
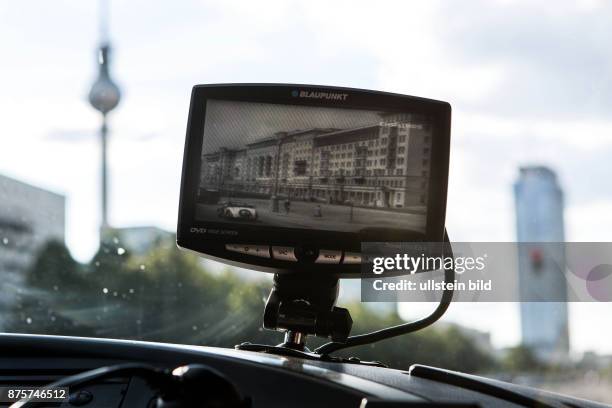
539, 219
29, 217
382, 165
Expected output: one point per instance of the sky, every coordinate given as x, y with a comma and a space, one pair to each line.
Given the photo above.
529, 82
234, 124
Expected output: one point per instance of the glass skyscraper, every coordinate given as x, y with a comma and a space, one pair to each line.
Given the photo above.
539, 219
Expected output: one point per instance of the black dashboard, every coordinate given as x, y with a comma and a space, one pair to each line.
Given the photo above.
266, 380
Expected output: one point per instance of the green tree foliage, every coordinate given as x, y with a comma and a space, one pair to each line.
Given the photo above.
445, 347
167, 295
521, 359
51, 293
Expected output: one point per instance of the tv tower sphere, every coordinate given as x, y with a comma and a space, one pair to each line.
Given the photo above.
104, 95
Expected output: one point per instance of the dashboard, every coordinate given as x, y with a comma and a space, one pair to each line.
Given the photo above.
266, 380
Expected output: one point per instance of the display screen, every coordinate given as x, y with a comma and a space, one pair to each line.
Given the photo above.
316, 168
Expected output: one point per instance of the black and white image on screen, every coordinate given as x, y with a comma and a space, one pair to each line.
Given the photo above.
314, 167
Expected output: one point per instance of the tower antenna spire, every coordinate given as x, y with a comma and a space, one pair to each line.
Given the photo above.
104, 96
104, 21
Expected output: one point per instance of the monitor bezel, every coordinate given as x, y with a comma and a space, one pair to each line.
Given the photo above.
190, 233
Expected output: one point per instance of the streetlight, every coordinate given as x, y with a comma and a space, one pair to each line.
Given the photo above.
104, 96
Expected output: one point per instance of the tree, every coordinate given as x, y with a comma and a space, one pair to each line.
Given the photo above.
50, 293
168, 295
520, 359
441, 347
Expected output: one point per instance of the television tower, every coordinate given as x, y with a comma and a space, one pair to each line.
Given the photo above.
104, 96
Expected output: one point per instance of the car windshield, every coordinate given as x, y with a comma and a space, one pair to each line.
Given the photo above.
87, 240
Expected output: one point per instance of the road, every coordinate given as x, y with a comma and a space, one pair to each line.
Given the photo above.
334, 217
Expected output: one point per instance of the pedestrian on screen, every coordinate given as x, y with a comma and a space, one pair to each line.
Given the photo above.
287, 205
317, 211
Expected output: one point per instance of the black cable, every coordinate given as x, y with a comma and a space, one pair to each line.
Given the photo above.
367, 338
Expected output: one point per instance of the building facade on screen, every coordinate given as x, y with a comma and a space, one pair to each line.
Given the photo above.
381, 165
539, 219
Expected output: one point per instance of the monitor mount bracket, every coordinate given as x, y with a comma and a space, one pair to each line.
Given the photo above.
301, 306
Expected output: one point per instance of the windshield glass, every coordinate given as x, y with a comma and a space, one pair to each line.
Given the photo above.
531, 91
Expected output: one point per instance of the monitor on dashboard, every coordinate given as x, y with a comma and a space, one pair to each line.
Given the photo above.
285, 178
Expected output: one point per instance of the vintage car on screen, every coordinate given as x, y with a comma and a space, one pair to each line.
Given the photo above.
235, 210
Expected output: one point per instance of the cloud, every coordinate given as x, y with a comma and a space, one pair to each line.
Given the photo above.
71, 135
556, 56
